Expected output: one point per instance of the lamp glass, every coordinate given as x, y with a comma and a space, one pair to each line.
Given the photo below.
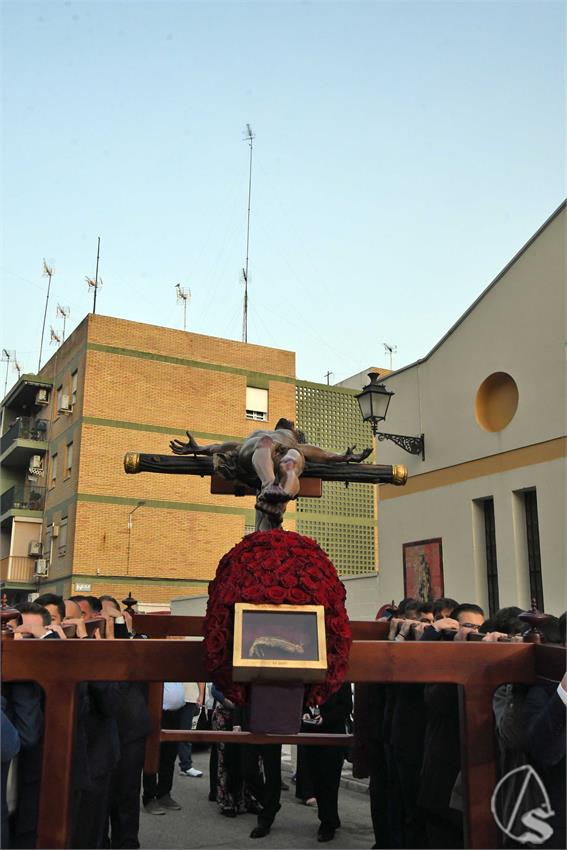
374, 400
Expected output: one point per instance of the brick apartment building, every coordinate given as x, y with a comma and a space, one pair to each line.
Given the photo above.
116, 386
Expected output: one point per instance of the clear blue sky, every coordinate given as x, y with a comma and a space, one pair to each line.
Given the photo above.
404, 152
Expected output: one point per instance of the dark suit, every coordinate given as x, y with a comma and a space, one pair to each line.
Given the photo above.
325, 763
24, 707
10, 741
407, 738
378, 786
441, 765
544, 739
98, 752
134, 724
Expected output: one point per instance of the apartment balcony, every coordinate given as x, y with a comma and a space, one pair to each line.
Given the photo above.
17, 569
21, 500
25, 438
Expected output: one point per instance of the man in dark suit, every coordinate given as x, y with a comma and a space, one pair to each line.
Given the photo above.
134, 725
325, 763
543, 719
97, 751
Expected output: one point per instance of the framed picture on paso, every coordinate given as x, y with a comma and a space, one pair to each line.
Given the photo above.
423, 569
279, 643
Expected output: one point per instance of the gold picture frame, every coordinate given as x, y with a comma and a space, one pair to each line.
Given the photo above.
279, 643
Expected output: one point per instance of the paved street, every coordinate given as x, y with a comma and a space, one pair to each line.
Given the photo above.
199, 824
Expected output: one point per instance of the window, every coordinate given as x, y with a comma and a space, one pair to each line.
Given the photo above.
59, 398
62, 539
69, 463
491, 560
53, 470
534, 555
74, 377
256, 404
48, 540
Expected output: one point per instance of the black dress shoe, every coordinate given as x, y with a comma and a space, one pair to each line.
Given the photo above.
325, 834
259, 831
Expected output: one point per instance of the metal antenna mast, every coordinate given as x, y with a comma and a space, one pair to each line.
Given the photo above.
7, 358
64, 312
327, 375
96, 283
391, 350
183, 295
47, 272
248, 137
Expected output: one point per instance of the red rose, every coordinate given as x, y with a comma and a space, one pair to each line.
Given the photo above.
230, 595
308, 583
275, 595
288, 580
268, 579
254, 593
215, 642
297, 596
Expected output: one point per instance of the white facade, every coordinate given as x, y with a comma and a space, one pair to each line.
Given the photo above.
516, 327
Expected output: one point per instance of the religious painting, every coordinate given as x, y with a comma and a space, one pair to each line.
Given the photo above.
279, 642
423, 569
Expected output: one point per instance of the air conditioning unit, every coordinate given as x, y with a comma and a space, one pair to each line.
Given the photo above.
35, 549
41, 567
36, 465
42, 396
65, 405
54, 530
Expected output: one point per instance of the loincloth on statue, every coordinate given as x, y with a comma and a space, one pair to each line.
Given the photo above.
229, 465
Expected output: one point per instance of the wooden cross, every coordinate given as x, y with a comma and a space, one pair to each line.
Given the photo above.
310, 482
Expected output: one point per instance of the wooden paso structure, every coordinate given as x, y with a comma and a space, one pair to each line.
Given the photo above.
478, 668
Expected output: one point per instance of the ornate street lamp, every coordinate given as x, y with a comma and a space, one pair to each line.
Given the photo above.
374, 401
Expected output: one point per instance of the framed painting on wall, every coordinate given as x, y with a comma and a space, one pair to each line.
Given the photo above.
423, 569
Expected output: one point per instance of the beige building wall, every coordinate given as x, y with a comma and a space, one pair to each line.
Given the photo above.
517, 327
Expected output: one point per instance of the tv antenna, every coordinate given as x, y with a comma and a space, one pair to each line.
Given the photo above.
248, 137
96, 283
183, 295
64, 312
391, 350
48, 273
7, 358
54, 337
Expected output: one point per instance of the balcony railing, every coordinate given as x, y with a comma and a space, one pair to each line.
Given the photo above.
22, 498
24, 428
17, 568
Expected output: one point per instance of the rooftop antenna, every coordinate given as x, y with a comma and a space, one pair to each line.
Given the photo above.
7, 358
391, 350
327, 375
18, 368
47, 272
54, 337
248, 137
96, 283
64, 312
183, 295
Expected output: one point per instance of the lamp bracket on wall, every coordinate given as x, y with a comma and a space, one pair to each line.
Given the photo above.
412, 445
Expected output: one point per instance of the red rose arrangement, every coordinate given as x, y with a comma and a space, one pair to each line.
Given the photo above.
274, 568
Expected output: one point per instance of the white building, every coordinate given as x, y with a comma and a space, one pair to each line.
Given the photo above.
490, 399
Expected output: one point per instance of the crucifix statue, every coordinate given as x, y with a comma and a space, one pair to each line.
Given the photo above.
269, 464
